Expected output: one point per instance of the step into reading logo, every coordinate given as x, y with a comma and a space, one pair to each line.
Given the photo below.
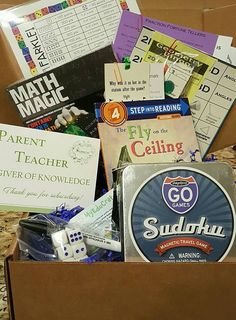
184, 214
180, 194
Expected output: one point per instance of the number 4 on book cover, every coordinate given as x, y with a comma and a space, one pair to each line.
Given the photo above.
146, 132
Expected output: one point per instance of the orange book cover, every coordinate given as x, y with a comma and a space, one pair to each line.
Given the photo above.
146, 132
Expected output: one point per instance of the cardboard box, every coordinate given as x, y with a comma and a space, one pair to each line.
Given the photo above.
129, 291
119, 291
208, 15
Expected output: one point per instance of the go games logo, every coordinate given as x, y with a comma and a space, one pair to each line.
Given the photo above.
180, 194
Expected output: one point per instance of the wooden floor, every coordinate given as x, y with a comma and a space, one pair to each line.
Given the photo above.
9, 220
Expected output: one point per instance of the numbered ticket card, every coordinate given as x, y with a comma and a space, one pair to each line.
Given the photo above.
46, 34
193, 65
212, 103
144, 81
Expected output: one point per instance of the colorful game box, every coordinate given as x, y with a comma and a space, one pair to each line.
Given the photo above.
178, 212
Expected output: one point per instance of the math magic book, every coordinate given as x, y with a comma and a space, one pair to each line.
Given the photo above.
146, 132
44, 100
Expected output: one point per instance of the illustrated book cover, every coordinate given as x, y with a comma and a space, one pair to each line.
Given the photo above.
146, 132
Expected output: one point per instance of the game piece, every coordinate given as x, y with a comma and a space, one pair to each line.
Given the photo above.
75, 236
59, 238
79, 250
64, 252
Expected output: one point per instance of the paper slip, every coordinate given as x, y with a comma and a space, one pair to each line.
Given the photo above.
176, 78
153, 46
139, 82
131, 24
231, 56
41, 170
46, 34
157, 90
96, 218
222, 48
212, 103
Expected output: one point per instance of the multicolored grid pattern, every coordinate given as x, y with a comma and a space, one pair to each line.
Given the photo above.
39, 14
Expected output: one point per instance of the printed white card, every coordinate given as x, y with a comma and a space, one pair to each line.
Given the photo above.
41, 170
46, 34
222, 47
157, 89
96, 218
231, 57
143, 81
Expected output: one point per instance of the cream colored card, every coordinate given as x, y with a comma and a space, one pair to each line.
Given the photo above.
157, 90
139, 82
231, 57
41, 170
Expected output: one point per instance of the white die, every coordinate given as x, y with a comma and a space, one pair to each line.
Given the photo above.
59, 238
64, 252
79, 250
75, 236
70, 260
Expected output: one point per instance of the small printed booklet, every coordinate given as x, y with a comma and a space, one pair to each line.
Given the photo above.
146, 132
